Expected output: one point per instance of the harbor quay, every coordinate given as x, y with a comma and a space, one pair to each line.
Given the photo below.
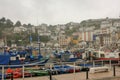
81, 76
61, 66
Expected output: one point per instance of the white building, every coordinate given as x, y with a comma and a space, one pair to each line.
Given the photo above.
19, 29
43, 27
81, 29
1, 42
116, 24
106, 23
44, 33
54, 37
91, 28
59, 27
33, 29
97, 32
108, 32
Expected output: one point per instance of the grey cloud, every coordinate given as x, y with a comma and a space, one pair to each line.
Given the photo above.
58, 11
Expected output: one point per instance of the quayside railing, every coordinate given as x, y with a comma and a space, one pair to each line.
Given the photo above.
109, 63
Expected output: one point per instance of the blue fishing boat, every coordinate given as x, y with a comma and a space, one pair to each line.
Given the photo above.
62, 69
65, 56
85, 66
21, 57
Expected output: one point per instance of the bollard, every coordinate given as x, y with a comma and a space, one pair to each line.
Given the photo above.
11, 76
74, 71
102, 63
50, 74
87, 69
93, 63
114, 70
3, 72
110, 62
23, 67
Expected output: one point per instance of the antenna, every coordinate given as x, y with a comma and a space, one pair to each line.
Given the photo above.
119, 15
37, 21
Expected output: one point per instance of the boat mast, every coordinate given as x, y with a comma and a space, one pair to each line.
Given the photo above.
5, 43
39, 44
38, 40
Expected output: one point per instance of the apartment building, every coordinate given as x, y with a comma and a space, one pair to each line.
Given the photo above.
64, 41
105, 32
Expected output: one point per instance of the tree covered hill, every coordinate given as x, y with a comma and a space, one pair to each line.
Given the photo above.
7, 26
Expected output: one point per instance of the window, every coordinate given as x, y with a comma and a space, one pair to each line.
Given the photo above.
102, 55
22, 55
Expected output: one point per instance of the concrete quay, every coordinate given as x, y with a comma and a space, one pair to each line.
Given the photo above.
81, 76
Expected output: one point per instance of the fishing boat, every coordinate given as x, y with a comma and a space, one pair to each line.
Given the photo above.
24, 56
16, 73
73, 68
36, 72
108, 55
101, 54
65, 56
61, 69
21, 57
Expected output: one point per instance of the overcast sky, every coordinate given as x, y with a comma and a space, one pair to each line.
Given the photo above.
58, 11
